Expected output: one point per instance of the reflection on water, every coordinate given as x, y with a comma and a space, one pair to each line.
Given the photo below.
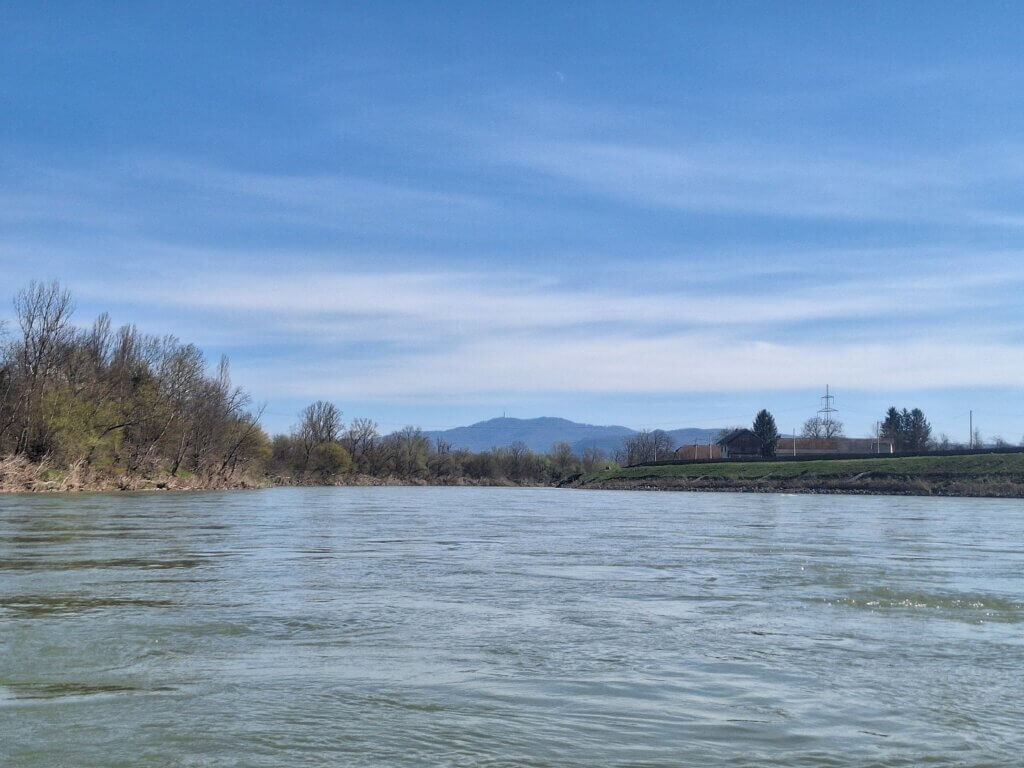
503, 627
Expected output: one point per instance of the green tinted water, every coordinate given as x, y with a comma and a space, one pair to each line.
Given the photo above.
502, 627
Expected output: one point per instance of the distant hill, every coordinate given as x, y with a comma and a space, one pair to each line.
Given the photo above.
541, 433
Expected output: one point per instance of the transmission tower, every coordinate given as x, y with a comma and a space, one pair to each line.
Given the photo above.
826, 411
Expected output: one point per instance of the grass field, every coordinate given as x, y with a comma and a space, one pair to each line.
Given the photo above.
977, 475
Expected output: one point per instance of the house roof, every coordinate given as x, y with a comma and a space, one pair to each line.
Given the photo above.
726, 439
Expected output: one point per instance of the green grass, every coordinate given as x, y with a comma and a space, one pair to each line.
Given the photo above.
911, 466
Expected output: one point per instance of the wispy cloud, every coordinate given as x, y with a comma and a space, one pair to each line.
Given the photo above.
468, 304
134, 195
380, 335
769, 180
672, 364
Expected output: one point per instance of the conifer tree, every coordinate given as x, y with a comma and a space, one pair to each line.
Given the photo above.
766, 431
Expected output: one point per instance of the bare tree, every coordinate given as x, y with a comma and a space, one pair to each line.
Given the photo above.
593, 459
362, 441
43, 311
320, 423
647, 446
563, 460
816, 427
407, 452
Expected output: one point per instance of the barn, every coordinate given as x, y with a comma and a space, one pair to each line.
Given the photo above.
740, 444
699, 451
830, 446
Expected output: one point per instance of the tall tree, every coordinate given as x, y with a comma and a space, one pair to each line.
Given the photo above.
320, 423
917, 431
892, 427
909, 430
766, 431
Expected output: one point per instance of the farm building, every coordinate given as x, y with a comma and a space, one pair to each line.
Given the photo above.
828, 446
699, 451
743, 444
740, 444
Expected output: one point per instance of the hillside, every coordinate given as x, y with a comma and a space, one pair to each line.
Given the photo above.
541, 433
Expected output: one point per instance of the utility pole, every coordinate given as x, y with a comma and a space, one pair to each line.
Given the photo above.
826, 411
794, 441
970, 440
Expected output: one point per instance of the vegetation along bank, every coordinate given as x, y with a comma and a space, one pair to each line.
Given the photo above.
1000, 475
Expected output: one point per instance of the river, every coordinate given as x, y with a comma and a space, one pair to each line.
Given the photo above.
509, 627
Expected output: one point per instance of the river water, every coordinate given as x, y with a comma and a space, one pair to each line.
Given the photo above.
508, 627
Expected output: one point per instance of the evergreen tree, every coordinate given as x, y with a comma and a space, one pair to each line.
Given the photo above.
917, 431
766, 431
909, 430
892, 428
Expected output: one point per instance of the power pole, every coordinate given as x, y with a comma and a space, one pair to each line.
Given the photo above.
794, 441
970, 440
826, 411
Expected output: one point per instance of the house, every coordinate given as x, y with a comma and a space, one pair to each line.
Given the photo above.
740, 444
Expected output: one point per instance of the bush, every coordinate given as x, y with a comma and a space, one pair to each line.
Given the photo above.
330, 459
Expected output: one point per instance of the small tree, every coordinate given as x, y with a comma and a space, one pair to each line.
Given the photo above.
766, 431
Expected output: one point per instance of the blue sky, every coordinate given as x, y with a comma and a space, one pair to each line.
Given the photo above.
652, 214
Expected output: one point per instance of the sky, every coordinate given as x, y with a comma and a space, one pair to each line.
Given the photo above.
649, 214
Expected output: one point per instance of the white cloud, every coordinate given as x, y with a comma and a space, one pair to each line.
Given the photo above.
387, 335
672, 364
410, 305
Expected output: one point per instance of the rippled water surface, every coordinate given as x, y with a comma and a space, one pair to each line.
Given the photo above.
503, 627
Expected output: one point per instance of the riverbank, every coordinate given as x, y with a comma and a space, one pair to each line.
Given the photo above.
989, 475
18, 475
986, 475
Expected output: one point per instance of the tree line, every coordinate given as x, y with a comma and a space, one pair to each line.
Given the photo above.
322, 447
115, 401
